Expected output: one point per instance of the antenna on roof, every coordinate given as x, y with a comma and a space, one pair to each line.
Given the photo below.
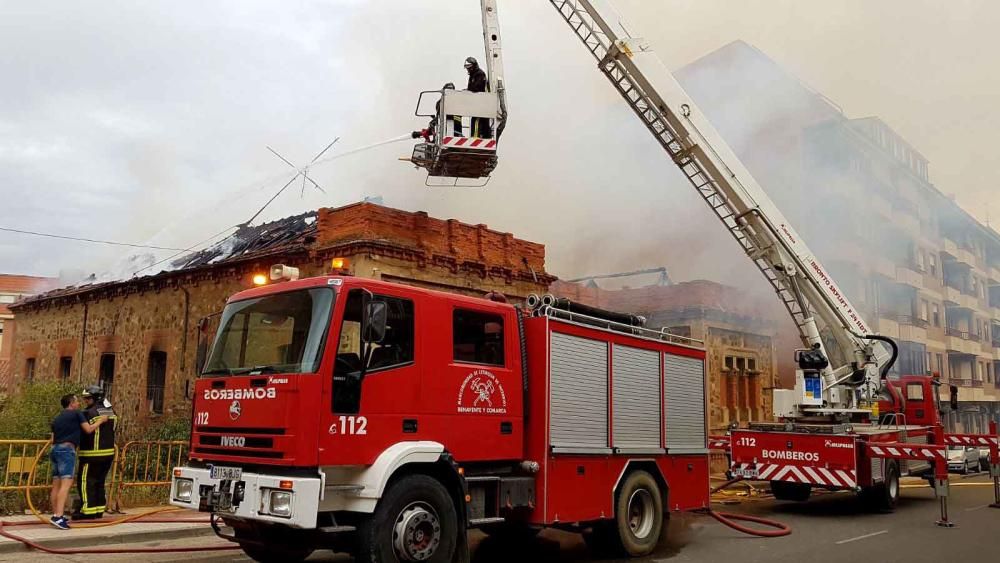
304, 171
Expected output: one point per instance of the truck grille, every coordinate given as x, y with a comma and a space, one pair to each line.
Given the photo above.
239, 430
236, 452
251, 441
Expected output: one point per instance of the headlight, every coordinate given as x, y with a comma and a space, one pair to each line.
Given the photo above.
281, 504
183, 489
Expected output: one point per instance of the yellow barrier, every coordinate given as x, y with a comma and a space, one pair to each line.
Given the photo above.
137, 464
17, 458
145, 464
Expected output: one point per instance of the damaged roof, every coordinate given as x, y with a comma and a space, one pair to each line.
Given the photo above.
293, 233
253, 242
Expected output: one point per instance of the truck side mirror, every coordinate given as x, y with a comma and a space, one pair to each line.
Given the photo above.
953, 397
376, 317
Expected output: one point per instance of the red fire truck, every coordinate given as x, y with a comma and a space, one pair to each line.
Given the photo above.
358, 415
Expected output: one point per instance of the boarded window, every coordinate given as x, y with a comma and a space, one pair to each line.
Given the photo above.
29, 370
65, 367
156, 376
478, 337
106, 373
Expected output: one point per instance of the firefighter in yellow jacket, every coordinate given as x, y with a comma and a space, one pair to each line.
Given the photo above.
97, 455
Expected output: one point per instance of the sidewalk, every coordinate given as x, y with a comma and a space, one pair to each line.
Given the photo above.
129, 532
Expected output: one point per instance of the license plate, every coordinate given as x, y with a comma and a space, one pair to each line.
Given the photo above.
221, 472
746, 473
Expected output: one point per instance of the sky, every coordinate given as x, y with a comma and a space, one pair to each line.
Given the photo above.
149, 122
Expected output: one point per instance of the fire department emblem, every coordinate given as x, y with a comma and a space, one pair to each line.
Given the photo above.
482, 393
235, 410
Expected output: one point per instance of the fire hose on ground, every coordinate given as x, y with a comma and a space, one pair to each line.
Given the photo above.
101, 550
729, 519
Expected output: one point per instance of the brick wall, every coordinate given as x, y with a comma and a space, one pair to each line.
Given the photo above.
433, 237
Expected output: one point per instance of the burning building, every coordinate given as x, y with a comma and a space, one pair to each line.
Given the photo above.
918, 267
146, 338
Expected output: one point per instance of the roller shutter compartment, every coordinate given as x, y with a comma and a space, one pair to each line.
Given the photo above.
635, 377
578, 394
684, 390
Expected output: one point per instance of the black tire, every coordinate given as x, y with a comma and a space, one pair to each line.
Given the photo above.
984, 464
884, 496
638, 523
270, 547
511, 531
798, 492
415, 516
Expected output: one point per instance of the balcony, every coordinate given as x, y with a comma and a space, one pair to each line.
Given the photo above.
958, 298
960, 254
959, 333
960, 382
912, 328
960, 341
907, 276
977, 383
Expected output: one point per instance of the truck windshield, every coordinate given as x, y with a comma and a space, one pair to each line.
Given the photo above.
280, 333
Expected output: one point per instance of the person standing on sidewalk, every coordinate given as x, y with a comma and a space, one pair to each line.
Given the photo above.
97, 455
66, 431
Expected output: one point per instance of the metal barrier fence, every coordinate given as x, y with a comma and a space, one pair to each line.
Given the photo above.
142, 469
145, 466
17, 457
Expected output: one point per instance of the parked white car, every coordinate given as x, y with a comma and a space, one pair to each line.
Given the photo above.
963, 459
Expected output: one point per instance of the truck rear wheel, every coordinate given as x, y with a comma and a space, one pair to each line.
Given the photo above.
638, 521
884, 496
414, 521
783, 490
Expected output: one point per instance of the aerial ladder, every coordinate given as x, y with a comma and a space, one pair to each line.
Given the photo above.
840, 386
449, 150
830, 433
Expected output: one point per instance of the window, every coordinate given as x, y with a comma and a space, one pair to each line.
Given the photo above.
920, 259
478, 337
156, 376
29, 370
65, 366
396, 348
924, 307
914, 392
936, 314
278, 333
932, 263
106, 373
940, 364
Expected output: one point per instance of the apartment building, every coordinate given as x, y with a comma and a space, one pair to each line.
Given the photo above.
923, 270
920, 268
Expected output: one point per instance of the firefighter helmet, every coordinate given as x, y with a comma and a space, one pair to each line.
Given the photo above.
471, 62
94, 391
449, 86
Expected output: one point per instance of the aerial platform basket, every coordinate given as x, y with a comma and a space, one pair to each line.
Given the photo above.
453, 159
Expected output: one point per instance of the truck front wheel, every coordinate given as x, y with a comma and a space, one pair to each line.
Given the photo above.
415, 520
271, 547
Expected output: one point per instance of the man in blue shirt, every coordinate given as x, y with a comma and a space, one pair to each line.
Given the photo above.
66, 429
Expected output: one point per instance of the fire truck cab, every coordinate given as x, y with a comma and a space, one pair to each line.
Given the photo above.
358, 415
